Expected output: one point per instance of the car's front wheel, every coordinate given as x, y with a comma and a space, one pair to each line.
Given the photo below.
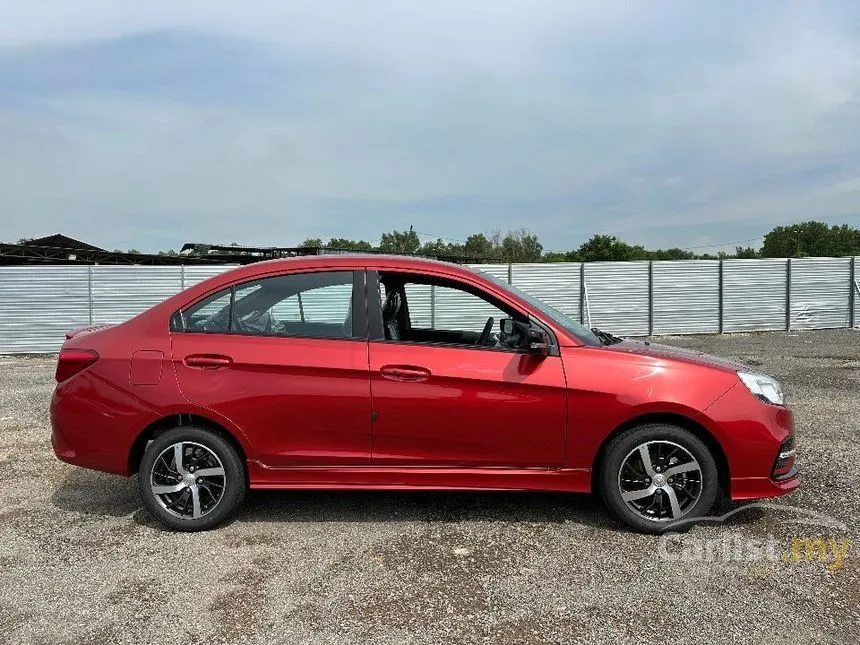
656, 475
191, 479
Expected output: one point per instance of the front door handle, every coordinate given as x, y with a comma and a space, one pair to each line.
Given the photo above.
208, 361
410, 373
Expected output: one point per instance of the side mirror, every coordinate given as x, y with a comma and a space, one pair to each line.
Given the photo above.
529, 336
538, 341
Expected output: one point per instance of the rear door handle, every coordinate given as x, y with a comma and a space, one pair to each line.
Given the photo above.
404, 373
208, 361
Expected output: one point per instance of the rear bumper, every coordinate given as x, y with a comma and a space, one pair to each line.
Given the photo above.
74, 448
89, 431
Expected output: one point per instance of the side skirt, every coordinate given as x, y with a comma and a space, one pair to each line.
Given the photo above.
405, 478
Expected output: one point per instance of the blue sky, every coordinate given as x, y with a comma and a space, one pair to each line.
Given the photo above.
146, 124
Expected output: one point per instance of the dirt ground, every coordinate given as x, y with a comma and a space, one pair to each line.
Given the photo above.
82, 562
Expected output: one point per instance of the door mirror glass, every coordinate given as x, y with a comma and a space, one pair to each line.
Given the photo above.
506, 326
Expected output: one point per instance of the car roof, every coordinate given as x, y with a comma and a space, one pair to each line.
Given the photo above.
352, 260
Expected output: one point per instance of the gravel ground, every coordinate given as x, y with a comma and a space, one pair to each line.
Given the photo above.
81, 562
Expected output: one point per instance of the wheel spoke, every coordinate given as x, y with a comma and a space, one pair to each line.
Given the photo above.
178, 451
673, 501
648, 493
195, 500
638, 494
646, 460
173, 480
682, 468
210, 472
172, 488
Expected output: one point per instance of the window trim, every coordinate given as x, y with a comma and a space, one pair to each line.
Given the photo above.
376, 332
359, 309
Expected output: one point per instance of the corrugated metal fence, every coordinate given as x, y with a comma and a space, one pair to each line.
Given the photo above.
39, 304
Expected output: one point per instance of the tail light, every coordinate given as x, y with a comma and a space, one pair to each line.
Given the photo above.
72, 361
783, 467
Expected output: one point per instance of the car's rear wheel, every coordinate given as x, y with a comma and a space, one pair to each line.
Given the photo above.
655, 476
191, 479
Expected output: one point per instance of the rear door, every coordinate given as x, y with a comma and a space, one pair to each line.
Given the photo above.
285, 359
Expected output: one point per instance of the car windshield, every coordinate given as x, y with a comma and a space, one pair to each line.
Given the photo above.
582, 332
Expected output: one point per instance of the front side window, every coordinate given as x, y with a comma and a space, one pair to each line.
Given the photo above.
418, 309
315, 305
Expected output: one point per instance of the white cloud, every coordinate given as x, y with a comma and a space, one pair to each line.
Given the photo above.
318, 119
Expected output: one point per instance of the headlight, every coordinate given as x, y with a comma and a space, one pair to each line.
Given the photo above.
764, 387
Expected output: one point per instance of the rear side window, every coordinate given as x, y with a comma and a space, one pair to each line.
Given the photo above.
315, 305
210, 315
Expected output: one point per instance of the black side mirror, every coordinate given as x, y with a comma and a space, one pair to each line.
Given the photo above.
538, 341
533, 338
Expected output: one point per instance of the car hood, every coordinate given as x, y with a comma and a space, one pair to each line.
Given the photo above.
643, 348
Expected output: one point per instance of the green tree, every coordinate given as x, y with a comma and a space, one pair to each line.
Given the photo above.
351, 245
311, 243
607, 247
441, 248
810, 239
747, 252
520, 246
479, 246
400, 242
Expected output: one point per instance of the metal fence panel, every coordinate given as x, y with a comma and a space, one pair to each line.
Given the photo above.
419, 298
121, 292
617, 296
557, 285
40, 304
754, 294
686, 297
196, 274
856, 287
819, 293
499, 271
462, 311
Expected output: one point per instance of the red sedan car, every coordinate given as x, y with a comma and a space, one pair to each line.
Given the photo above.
390, 372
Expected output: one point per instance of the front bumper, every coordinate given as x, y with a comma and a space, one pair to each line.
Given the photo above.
752, 434
760, 487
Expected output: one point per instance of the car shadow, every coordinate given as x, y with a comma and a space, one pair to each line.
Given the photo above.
93, 493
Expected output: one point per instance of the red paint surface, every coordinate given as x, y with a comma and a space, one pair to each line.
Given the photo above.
318, 413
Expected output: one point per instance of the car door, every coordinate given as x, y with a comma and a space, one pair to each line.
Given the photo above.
284, 358
442, 402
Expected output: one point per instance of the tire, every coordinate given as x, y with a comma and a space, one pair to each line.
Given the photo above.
211, 471
624, 478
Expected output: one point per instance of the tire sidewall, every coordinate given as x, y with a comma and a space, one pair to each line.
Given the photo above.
233, 469
621, 446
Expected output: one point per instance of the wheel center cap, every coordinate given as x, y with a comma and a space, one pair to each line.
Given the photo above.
659, 480
189, 479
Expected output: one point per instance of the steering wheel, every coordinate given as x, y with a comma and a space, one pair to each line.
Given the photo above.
485, 335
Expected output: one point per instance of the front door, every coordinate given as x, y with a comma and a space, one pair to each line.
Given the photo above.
448, 394
284, 360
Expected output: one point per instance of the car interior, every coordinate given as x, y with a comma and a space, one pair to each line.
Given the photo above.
398, 323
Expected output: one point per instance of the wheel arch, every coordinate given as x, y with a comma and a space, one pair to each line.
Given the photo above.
670, 418
178, 420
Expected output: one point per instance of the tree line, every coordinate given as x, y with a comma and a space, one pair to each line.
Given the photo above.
806, 239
